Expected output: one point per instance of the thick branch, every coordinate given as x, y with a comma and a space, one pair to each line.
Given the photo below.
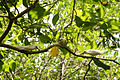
7, 8
12, 47
6, 31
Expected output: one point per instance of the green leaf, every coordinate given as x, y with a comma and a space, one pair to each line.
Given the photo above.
29, 16
0, 24
10, 70
80, 59
79, 21
55, 19
35, 25
21, 37
104, 26
26, 42
54, 33
109, 35
117, 0
1, 56
1, 63
98, 44
64, 51
96, 0
114, 25
101, 64
101, 12
103, 41
37, 12
12, 65
25, 3
44, 38
47, 13
88, 25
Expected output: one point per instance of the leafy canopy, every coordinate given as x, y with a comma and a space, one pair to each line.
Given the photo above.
85, 24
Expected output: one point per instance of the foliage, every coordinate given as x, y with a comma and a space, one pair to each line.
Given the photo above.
85, 24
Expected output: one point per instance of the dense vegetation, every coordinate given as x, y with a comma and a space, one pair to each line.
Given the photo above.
84, 24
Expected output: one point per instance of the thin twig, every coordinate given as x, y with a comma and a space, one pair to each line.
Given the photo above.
53, 5
7, 76
14, 6
47, 26
87, 69
72, 15
61, 65
71, 73
27, 10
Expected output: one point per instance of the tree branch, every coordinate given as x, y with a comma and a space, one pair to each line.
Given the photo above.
72, 15
87, 69
14, 6
14, 18
7, 8
45, 50
27, 10
6, 31
53, 5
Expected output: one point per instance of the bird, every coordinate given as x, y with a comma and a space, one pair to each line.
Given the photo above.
28, 47
62, 42
95, 52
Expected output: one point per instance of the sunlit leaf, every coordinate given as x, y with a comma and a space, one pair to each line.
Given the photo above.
114, 25
101, 12
80, 59
104, 3
54, 51
37, 12
12, 65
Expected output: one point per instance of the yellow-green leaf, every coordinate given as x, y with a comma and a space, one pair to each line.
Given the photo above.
54, 51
